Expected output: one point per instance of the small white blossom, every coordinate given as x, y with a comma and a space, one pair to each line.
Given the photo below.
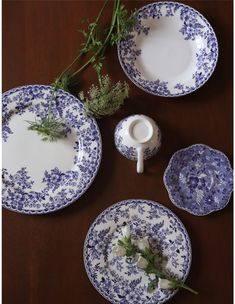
119, 251
142, 263
143, 243
164, 284
126, 231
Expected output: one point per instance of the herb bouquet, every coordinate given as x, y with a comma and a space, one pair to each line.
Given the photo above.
106, 97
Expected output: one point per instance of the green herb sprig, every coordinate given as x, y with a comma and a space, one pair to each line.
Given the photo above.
150, 258
49, 127
106, 97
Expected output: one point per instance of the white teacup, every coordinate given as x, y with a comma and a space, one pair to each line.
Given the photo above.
138, 137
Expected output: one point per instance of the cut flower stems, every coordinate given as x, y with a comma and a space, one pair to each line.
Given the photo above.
105, 98
146, 261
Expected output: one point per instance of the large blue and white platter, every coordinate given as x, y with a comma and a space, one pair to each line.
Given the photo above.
117, 278
172, 50
40, 176
199, 179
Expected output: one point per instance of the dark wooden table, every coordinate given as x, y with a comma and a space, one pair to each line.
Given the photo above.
43, 255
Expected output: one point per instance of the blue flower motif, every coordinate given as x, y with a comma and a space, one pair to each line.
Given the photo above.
53, 179
6, 131
16, 198
22, 179
199, 77
132, 297
193, 182
209, 200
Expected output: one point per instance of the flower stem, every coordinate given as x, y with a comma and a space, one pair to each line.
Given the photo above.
188, 288
151, 268
50, 104
85, 65
87, 42
177, 284
105, 43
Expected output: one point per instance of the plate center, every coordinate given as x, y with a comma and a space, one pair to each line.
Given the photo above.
26, 148
198, 176
165, 55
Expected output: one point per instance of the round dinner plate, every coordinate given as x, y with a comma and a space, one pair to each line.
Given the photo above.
172, 50
41, 176
117, 278
199, 179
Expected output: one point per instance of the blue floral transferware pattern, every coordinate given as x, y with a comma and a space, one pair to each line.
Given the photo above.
41, 177
117, 278
199, 179
193, 28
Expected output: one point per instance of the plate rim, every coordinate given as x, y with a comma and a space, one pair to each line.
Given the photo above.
123, 202
99, 153
167, 184
176, 94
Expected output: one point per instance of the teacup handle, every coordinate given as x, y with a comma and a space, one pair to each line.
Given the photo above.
140, 160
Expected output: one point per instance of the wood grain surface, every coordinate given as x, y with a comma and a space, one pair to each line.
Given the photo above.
43, 255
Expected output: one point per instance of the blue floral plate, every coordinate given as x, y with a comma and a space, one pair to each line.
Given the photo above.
117, 278
171, 51
40, 176
199, 179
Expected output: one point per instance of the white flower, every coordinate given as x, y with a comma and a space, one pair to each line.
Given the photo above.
119, 251
164, 284
126, 231
142, 263
143, 243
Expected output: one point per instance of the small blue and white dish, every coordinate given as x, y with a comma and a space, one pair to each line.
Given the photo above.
137, 137
117, 278
199, 179
171, 51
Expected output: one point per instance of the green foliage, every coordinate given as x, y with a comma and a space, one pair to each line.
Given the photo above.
62, 83
93, 36
120, 26
149, 255
104, 99
49, 128
123, 25
152, 285
127, 244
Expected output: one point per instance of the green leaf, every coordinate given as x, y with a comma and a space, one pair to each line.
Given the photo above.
148, 254
152, 285
126, 243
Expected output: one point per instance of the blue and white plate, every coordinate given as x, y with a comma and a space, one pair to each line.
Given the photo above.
199, 179
117, 278
39, 176
172, 50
